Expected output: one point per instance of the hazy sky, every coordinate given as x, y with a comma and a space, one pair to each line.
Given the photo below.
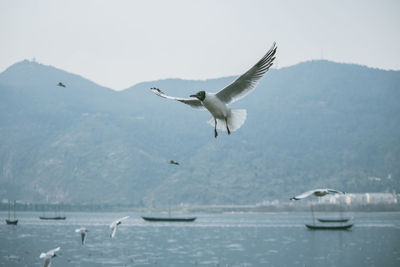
120, 43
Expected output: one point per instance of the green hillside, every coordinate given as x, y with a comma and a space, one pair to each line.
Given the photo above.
315, 124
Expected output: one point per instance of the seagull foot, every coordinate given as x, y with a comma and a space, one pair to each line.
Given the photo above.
227, 127
215, 133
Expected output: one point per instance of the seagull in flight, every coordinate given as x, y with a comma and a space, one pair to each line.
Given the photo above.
83, 232
48, 256
216, 103
114, 224
317, 193
61, 84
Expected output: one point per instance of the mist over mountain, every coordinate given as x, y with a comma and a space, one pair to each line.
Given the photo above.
315, 124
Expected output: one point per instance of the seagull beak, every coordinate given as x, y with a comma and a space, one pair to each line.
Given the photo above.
193, 96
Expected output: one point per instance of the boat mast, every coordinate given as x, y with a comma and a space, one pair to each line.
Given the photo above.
9, 207
14, 209
169, 207
312, 211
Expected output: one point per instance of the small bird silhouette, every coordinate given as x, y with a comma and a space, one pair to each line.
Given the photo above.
61, 84
173, 162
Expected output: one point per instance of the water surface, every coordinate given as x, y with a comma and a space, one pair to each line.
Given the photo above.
274, 239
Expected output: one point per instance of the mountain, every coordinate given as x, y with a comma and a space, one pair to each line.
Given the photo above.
314, 124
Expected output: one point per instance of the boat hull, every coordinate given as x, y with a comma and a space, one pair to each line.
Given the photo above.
329, 227
53, 218
333, 219
168, 219
12, 222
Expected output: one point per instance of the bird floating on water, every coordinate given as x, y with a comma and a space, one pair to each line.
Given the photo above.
83, 232
48, 256
317, 193
174, 162
216, 103
61, 84
114, 224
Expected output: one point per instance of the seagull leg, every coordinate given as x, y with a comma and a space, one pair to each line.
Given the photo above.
215, 128
227, 127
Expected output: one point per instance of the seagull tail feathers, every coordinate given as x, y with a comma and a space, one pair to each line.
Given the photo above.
235, 120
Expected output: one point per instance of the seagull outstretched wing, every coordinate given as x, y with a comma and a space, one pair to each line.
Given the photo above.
83, 237
303, 195
194, 103
248, 81
48, 255
113, 230
53, 251
335, 191
123, 218
118, 221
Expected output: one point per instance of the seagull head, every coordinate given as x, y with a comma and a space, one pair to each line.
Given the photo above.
201, 95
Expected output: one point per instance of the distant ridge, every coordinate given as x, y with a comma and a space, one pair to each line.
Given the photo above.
314, 124
16, 73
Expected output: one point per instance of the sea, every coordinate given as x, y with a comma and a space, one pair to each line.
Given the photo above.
229, 239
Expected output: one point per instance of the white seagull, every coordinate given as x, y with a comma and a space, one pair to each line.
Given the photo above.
48, 255
114, 224
317, 193
216, 103
83, 232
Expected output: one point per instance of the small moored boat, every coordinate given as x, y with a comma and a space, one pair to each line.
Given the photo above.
57, 214
12, 222
329, 227
9, 221
169, 219
52, 218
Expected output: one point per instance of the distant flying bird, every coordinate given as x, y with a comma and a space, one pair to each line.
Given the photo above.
317, 192
114, 224
216, 103
61, 84
48, 256
83, 232
173, 162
